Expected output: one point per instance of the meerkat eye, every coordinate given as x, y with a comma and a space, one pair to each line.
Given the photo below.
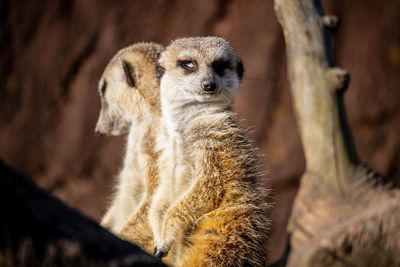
103, 88
220, 65
189, 65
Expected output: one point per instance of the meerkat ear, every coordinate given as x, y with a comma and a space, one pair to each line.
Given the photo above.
240, 69
128, 69
159, 71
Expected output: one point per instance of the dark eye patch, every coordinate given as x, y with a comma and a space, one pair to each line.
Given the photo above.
189, 66
220, 65
128, 69
103, 88
240, 70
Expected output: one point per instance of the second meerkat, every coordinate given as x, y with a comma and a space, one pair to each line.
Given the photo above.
209, 204
130, 101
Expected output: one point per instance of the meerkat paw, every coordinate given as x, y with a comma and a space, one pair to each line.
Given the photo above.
162, 247
159, 253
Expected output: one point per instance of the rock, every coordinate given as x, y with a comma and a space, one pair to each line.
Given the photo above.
37, 229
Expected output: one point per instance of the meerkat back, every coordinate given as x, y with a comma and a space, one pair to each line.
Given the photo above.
222, 217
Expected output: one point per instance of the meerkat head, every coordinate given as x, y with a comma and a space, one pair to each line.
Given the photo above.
200, 69
129, 88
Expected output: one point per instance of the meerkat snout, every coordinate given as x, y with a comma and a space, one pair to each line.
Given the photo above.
98, 132
209, 85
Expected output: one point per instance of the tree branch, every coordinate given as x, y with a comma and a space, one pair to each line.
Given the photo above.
317, 88
336, 219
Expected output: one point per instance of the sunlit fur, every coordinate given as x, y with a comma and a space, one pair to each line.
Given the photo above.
134, 110
209, 205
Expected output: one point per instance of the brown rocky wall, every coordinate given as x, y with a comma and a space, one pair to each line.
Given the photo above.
52, 54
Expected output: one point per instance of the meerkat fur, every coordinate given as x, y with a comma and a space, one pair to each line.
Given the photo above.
130, 99
209, 204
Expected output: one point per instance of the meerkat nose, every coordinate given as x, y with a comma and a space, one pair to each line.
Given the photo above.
97, 132
208, 86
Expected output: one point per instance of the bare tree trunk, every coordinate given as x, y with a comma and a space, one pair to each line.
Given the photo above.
343, 214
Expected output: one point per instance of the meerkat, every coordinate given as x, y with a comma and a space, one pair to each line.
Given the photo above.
130, 104
209, 204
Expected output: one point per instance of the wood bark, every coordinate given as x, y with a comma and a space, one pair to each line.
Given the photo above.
344, 214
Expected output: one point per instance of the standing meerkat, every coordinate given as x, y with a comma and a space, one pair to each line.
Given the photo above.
130, 100
209, 204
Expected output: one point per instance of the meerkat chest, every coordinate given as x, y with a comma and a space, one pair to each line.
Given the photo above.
136, 159
181, 168
176, 160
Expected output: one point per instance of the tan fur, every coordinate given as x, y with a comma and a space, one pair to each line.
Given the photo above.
132, 106
209, 204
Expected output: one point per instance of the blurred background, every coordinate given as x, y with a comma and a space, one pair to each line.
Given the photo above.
52, 54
